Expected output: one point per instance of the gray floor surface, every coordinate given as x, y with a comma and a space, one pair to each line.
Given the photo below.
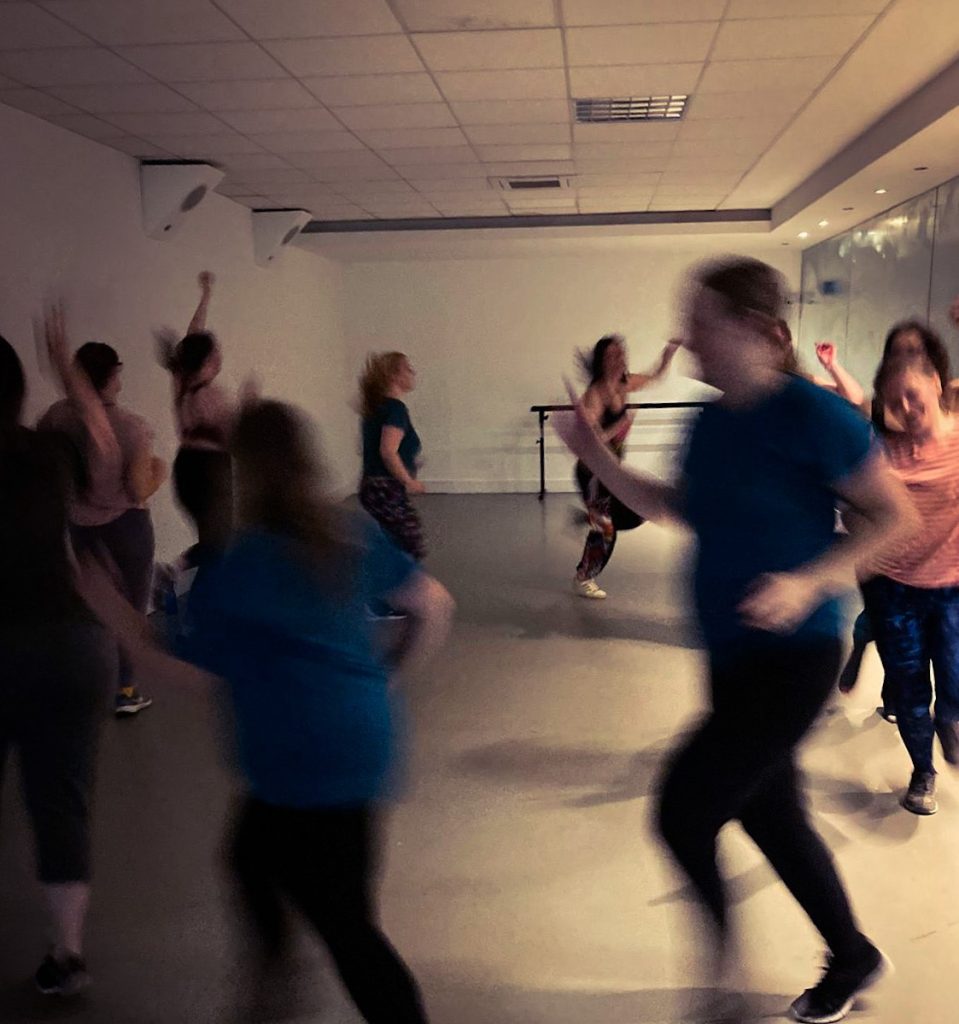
523, 883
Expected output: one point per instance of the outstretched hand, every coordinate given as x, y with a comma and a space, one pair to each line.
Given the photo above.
51, 331
779, 602
206, 280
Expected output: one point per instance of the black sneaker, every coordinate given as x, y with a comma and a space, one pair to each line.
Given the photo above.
67, 977
920, 798
841, 983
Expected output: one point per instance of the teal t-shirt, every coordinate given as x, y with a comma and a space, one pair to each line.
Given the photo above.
759, 491
313, 714
392, 413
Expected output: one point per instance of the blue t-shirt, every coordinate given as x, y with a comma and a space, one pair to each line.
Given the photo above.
759, 493
312, 710
392, 413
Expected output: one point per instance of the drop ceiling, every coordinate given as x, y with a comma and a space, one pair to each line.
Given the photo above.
377, 110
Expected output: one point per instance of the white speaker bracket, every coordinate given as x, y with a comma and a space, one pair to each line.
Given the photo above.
170, 189
274, 229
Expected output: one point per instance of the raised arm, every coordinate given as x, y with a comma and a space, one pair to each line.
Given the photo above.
644, 494
206, 281
638, 381
842, 381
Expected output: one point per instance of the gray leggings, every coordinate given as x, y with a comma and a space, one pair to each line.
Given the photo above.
128, 543
55, 681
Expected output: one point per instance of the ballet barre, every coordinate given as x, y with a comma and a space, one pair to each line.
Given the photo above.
543, 412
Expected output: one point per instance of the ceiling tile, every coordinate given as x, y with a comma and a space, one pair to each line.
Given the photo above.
528, 168
519, 134
626, 12
341, 56
194, 122
715, 163
205, 147
471, 51
357, 159
32, 101
305, 142
413, 138
463, 174
400, 115
74, 66
230, 189
400, 211
133, 146
685, 190
300, 19
633, 182
493, 208
687, 203
788, 37
542, 84
623, 165
136, 97
24, 26
204, 62
512, 112
709, 148
541, 199
360, 90
86, 124
274, 176
249, 122
269, 94
762, 104
614, 194
635, 80
786, 8
452, 186
307, 193
509, 153
239, 162
337, 175
254, 202
733, 128
638, 133
613, 206
448, 155
459, 15
363, 189
131, 22
640, 44
801, 73
704, 176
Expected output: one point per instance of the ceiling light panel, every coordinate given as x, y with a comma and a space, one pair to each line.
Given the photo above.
451, 15
362, 90
298, 19
388, 54
134, 22
614, 110
640, 44
204, 62
470, 51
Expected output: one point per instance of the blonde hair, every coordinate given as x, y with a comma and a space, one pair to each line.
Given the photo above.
377, 378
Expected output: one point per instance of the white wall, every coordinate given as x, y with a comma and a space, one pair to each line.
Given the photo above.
491, 337
70, 216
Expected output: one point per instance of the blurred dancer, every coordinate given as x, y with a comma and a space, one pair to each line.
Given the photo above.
282, 619
604, 405
58, 663
113, 522
205, 413
764, 466
913, 600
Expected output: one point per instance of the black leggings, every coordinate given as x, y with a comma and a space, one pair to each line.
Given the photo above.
203, 485
322, 861
740, 764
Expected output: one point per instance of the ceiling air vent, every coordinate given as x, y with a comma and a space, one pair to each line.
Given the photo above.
528, 183
630, 108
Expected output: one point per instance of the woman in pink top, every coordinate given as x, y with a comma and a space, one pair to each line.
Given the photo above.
204, 413
913, 597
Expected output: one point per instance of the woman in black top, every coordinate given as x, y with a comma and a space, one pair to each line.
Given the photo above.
58, 664
391, 448
604, 403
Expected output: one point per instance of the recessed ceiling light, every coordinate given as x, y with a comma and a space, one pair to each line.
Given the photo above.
803, 234
880, 191
824, 223
848, 209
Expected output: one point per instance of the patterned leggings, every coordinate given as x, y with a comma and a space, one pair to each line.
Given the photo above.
388, 503
606, 516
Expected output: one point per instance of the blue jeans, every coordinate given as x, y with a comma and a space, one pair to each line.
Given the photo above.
915, 628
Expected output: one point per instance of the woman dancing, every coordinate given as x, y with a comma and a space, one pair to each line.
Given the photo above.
604, 405
764, 466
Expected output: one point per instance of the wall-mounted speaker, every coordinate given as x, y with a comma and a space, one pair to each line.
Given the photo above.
273, 229
170, 189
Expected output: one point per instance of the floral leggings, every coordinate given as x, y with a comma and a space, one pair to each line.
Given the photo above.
386, 500
606, 516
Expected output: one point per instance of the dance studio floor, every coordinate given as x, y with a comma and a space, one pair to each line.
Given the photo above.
523, 883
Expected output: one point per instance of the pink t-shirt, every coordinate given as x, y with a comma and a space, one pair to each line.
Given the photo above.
106, 497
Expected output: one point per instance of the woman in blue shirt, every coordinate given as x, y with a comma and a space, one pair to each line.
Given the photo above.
281, 618
764, 466
391, 448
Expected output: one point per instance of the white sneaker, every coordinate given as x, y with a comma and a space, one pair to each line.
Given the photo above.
589, 588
